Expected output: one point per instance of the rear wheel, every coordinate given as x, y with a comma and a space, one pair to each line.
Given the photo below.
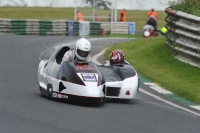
124, 100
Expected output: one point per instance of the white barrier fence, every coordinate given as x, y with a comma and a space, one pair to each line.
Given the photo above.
119, 27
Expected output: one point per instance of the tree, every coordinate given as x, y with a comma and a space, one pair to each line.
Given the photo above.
99, 3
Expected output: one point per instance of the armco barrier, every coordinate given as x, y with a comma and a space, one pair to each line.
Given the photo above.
183, 36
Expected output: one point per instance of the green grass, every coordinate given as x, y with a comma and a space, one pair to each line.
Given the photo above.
48, 13
120, 35
125, 35
154, 60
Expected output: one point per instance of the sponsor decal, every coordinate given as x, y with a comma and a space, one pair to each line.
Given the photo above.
89, 77
58, 95
116, 57
65, 96
55, 94
70, 28
80, 66
62, 96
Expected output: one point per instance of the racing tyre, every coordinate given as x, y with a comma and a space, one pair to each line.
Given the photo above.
104, 92
138, 85
125, 100
40, 89
50, 90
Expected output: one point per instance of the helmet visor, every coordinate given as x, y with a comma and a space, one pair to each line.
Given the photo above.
82, 53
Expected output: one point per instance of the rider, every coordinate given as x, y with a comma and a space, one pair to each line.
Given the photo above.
117, 57
148, 31
152, 22
80, 52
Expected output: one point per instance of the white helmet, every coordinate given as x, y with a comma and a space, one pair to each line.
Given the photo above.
146, 33
82, 49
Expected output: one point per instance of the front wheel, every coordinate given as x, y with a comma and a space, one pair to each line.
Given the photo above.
50, 90
40, 89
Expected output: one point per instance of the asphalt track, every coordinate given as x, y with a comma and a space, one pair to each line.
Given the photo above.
24, 110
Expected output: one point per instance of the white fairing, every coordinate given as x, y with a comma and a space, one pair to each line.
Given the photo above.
130, 84
42, 77
89, 90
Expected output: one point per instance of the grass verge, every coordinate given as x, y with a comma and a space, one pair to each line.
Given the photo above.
120, 35
153, 60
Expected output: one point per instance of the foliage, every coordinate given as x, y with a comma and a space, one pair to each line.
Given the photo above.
187, 6
99, 3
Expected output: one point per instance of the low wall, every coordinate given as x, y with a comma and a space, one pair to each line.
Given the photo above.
63, 27
119, 27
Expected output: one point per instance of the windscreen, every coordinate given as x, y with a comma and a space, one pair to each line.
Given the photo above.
69, 69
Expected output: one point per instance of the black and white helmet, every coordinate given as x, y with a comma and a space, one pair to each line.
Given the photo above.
82, 49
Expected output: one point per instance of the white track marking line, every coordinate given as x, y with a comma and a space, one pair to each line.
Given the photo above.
164, 91
170, 103
158, 88
196, 107
148, 93
94, 58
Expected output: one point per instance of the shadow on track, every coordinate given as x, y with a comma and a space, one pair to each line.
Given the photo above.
76, 103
